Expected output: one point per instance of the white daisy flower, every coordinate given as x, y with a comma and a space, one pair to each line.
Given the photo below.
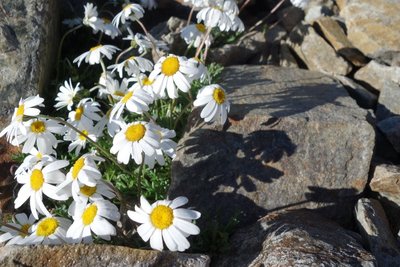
193, 34
202, 72
78, 141
92, 217
147, 85
41, 132
143, 43
129, 12
84, 115
149, 4
300, 3
112, 125
95, 53
49, 231
84, 171
109, 28
237, 23
215, 16
32, 159
91, 18
216, 104
165, 221
167, 146
135, 100
172, 73
93, 193
197, 3
114, 89
133, 140
132, 66
37, 182
14, 237
65, 97
16, 128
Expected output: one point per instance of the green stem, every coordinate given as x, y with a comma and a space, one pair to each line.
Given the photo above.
103, 66
172, 107
190, 16
123, 53
60, 48
181, 114
139, 180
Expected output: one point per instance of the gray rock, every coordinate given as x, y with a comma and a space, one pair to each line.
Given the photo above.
375, 75
338, 39
391, 128
388, 104
241, 52
375, 230
294, 139
363, 97
28, 48
373, 26
286, 58
290, 17
95, 255
386, 181
315, 52
169, 32
295, 238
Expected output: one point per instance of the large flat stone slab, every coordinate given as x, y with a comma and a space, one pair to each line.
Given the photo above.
95, 255
294, 139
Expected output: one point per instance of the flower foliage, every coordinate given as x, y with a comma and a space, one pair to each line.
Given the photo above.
119, 110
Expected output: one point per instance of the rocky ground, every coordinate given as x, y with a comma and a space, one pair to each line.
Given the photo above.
308, 162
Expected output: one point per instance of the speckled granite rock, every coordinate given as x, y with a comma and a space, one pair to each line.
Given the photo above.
294, 139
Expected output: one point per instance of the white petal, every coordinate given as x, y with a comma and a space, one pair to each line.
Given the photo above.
156, 241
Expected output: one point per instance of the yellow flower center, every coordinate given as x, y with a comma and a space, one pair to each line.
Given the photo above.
47, 227
127, 7
201, 27
170, 66
135, 132
78, 165
95, 48
38, 127
88, 190
219, 95
106, 20
79, 113
89, 214
127, 97
37, 179
39, 156
20, 112
147, 81
161, 217
24, 230
83, 137
119, 93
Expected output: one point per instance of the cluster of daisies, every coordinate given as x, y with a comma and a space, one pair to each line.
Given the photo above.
125, 89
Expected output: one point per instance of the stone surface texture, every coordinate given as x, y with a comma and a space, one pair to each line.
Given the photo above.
316, 53
295, 238
374, 227
375, 75
294, 139
388, 104
338, 39
363, 97
386, 181
28, 47
391, 129
95, 255
373, 26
